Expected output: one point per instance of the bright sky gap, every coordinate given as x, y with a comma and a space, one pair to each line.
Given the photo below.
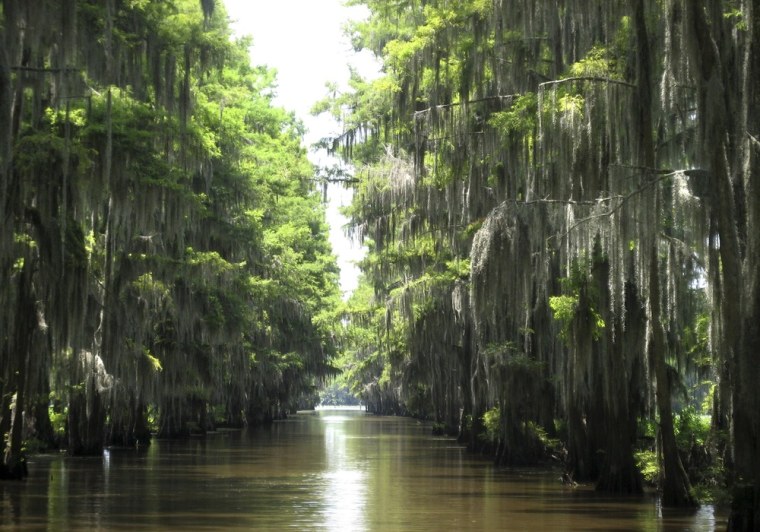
280, 31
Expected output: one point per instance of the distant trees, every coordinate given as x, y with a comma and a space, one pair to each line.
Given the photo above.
557, 199
163, 253
337, 394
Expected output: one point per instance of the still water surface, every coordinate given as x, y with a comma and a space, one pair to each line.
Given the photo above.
328, 470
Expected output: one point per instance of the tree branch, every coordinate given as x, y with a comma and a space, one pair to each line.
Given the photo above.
754, 140
335, 179
597, 79
468, 102
623, 200
45, 70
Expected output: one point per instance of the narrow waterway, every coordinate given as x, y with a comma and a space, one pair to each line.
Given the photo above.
328, 470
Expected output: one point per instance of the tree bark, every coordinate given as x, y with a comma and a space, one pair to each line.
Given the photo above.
86, 420
676, 486
579, 448
739, 305
129, 424
466, 419
618, 473
14, 464
585, 407
745, 510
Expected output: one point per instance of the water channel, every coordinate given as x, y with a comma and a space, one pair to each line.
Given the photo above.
326, 470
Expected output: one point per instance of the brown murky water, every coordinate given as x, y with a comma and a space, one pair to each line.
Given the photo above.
330, 470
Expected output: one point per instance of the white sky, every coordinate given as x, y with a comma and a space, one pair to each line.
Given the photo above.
303, 40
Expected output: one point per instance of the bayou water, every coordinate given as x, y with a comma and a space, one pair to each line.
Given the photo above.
324, 470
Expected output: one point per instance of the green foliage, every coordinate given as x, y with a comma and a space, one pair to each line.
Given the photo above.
507, 356
691, 428
571, 105
697, 444
492, 425
735, 15
579, 303
520, 119
697, 340
473, 116
597, 62
459, 268
648, 464
610, 61
537, 432
154, 362
337, 394
564, 308
647, 428
708, 401
58, 419
170, 212
365, 109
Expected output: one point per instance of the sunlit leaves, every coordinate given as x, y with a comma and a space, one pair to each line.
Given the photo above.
597, 62
154, 362
564, 308
520, 119
579, 302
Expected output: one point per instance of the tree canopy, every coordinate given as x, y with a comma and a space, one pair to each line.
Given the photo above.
560, 204
164, 255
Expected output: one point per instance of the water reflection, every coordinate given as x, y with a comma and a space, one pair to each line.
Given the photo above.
324, 471
345, 490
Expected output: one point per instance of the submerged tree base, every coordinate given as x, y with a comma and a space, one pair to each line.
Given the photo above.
14, 469
745, 509
623, 481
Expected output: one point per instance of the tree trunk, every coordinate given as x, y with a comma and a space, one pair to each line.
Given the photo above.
585, 413
580, 453
467, 421
172, 423
739, 306
619, 473
722, 401
14, 464
129, 424
42, 426
86, 420
519, 445
5, 407
745, 509
676, 488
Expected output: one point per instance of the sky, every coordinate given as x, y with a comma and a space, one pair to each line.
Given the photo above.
304, 41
